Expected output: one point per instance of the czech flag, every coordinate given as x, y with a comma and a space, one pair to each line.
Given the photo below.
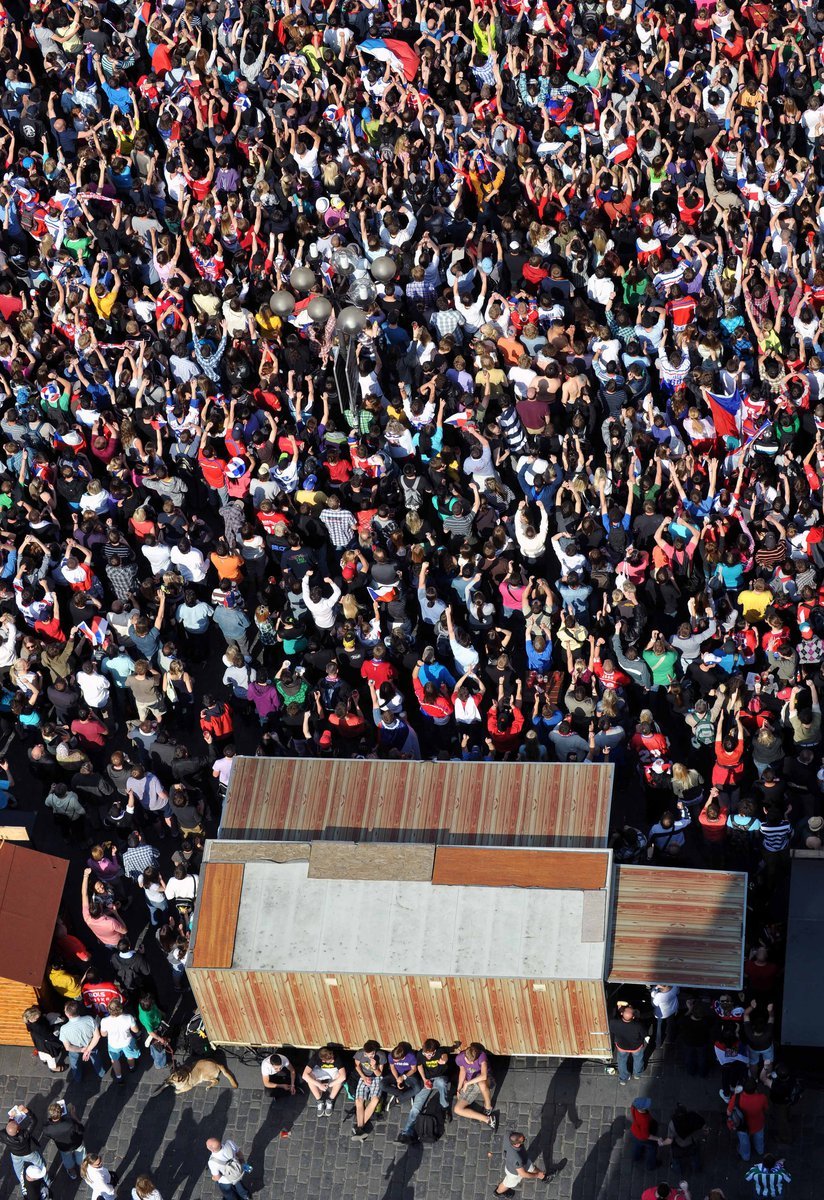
403, 58
96, 630
382, 593
726, 412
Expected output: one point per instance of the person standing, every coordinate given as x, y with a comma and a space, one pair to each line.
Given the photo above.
785, 1091
145, 1189
120, 1030
18, 1136
641, 1131
769, 1176
227, 1167
97, 1177
753, 1106
45, 1040
664, 999
81, 1038
518, 1165
65, 1130
629, 1033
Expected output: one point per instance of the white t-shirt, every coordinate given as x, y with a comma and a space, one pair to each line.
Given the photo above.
95, 689
268, 1068
192, 564
118, 1031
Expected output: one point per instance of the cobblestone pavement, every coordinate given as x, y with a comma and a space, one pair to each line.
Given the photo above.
569, 1111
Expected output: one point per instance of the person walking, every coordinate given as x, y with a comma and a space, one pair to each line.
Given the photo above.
100, 1180
769, 1177
44, 1038
642, 1133
19, 1138
518, 1166
145, 1189
227, 1167
65, 1130
629, 1034
785, 1090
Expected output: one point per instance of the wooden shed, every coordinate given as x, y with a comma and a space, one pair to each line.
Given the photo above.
31, 888
673, 925
442, 803
309, 942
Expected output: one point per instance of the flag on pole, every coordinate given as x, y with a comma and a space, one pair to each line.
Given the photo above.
726, 412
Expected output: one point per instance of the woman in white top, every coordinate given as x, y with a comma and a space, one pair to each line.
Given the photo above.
467, 701
145, 1189
97, 1177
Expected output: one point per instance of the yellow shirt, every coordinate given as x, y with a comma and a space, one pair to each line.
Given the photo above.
754, 604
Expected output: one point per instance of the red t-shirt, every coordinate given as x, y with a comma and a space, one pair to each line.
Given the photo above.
378, 671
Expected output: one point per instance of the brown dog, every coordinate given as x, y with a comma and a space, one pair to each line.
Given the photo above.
205, 1070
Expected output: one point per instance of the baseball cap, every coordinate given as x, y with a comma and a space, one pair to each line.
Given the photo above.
642, 1103
310, 482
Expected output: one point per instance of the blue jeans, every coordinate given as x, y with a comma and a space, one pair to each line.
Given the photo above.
157, 913
747, 1142
71, 1159
235, 1189
19, 1163
439, 1085
630, 1062
76, 1064
159, 1055
645, 1149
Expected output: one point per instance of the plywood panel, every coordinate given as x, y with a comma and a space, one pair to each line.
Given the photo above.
370, 860
503, 804
561, 869
532, 1017
679, 926
243, 852
31, 890
221, 885
15, 998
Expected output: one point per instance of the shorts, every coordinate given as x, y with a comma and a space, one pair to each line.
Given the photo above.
368, 1089
755, 1056
472, 1093
512, 1181
131, 1052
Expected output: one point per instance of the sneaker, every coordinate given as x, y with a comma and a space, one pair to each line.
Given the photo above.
320, 1108
505, 1192
405, 1139
492, 1121
724, 1096
623, 1082
328, 1107
359, 1134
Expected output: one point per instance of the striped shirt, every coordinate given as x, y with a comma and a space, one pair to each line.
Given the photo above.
769, 1181
776, 837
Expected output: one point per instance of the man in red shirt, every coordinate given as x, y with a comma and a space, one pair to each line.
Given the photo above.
753, 1106
376, 669
644, 1145
665, 1191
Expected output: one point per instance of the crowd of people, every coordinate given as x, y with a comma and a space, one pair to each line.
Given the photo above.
398, 380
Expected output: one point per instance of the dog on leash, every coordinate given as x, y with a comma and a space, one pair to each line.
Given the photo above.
205, 1070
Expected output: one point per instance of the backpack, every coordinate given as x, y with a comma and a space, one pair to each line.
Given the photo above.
231, 1171
429, 1123
703, 731
735, 1117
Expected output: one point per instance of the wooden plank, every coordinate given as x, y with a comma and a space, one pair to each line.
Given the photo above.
221, 885
370, 860
568, 870
15, 998
678, 926
566, 1018
243, 852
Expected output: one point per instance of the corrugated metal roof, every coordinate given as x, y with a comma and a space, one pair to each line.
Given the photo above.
401, 927
31, 888
678, 926
515, 804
